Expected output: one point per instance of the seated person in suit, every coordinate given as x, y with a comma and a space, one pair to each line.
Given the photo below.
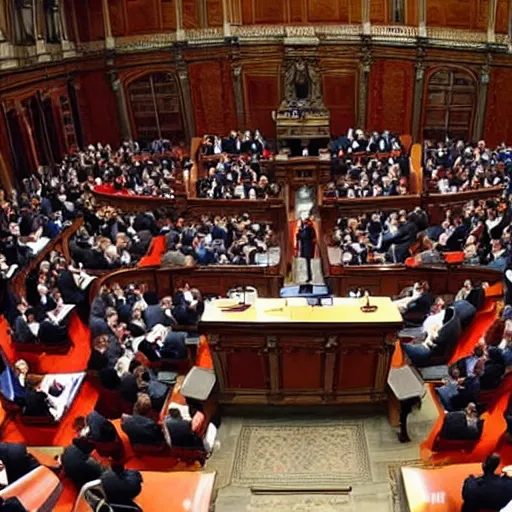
468, 390
179, 431
466, 365
188, 306
140, 427
489, 491
172, 346
78, 464
21, 328
494, 369
37, 402
137, 326
156, 390
95, 427
121, 485
464, 292
418, 302
429, 329
159, 314
462, 425
16, 460
450, 387
99, 357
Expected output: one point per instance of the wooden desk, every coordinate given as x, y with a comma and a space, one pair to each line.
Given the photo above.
279, 353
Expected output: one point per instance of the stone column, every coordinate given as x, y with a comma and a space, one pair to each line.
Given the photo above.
365, 65
184, 84
125, 129
365, 16
225, 18
491, 25
180, 33
236, 73
203, 14
110, 42
418, 94
485, 74
75, 23
422, 18
41, 50
68, 48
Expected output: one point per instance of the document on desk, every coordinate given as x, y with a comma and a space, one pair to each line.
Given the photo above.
70, 382
59, 314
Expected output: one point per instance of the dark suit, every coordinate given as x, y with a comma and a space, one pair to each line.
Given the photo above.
455, 426
174, 346
489, 492
22, 332
11, 505
71, 293
100, 429
79, 465
142, 430
17, 461
181, 434
36, 403
155, 315
121, 487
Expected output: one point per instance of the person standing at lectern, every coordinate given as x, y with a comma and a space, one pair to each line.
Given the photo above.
306, 243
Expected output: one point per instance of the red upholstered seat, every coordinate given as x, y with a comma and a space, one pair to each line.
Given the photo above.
453, 258
154, 255
38, 490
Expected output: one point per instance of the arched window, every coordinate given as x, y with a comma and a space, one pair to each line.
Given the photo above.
449, 105
156, 108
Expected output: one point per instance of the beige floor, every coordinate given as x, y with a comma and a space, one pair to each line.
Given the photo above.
383, 449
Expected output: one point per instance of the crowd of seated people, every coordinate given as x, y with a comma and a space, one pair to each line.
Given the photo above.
130, 320
235, 143
481, 231
377, 237
455, 165
360, 172
237, 177
109, 240
220, 240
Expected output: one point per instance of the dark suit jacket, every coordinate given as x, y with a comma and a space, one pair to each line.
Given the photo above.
22, 332
181, 434
123, 487
100, 429
489, 492
36, 403
142, 430
71, 293
17, 460
155, 315
79, 465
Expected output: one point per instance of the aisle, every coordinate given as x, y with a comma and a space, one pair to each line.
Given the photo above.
299, 271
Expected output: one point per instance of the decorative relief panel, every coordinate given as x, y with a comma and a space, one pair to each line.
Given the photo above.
390, 96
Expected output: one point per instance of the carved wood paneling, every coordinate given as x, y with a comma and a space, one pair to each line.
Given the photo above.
301, 369
98, 108
340, 97
142, 16
116, 10
390, 96
190, 14
498, 123
502, 16
351, 361
246, 370
212, 96
457, 13
301, 11
168, 9
94, 13
324, 10
379, 12
261, 95
214, 13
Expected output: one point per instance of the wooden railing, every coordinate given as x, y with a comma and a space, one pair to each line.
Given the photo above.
60, 244
212, 280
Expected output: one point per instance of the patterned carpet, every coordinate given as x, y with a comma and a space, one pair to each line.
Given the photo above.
301, 503
317, 456
396, 484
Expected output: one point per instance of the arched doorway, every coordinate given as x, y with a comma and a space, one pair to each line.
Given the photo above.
449, 104
155, 106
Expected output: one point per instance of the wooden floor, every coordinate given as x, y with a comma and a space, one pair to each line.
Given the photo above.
373, 494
